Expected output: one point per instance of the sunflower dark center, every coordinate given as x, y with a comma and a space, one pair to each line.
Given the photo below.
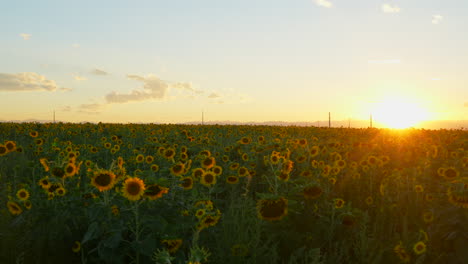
103, 179
273, 209
133, 188
209, 178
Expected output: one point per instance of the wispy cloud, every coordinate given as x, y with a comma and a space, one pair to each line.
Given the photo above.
93, 108
79, 78
99, 72
214, 95
386, 61
436, 19
387, 8
25, 36
153, 88
75, 45
26, 81
324, 3
65, 108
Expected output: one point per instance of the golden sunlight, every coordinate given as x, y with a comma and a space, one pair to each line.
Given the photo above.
395, 112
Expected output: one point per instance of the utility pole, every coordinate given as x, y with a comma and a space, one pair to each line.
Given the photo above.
371, 120
329, 120
54, 116
202, 118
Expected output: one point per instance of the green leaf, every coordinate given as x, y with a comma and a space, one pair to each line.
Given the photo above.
92, 233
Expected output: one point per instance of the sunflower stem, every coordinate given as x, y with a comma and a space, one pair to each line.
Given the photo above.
137, 231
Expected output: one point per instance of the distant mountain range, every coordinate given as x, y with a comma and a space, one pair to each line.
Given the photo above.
439, 124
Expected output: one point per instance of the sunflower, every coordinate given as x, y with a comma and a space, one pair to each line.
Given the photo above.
205, 153
245, 140
10, 146
22, 194
245, 157
312, 192
314, 151
208, 179
458, 196
200, 213
210, 220
139, 158
450, 173
232, 179
115, 210
302, 142
70, 170
369, 200
39, 141
217, 170
401, 253
419, 248
340, 163
197, 173
33, 134
27, 204
208, 163
133, 188
172, 245
177, 169
234, 166
272, 209
60, 191
3, 150
169, 153
14, 208
339, 203
284, 176
418, 188
183, 156
428, 216
76, 247
154, 167
103, 180
187, 183
149, 159
243, 171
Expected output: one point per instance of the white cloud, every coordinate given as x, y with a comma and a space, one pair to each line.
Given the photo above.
99, 72
387, 8
25, 36
153, 88
436, 19
26, 81
324, 3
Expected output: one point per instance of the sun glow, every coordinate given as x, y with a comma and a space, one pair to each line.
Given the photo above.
394, 112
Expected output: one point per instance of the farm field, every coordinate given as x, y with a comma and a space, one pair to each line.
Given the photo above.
144, 193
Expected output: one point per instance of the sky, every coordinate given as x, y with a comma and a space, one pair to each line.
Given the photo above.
244, 60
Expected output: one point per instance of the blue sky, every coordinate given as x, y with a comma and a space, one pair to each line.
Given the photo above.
164, 61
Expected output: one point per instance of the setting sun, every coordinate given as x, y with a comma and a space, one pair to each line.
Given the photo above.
399, 113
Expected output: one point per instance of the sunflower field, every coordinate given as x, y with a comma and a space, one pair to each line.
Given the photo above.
146, 193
